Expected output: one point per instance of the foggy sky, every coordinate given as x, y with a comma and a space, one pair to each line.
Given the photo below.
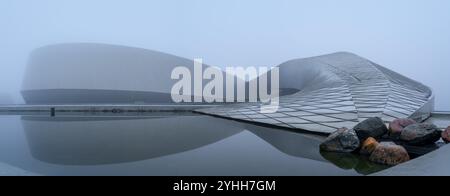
408, 36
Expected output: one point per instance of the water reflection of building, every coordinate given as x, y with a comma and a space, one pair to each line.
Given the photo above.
103, 140
320, 93
92, 141
291, 143
97, 140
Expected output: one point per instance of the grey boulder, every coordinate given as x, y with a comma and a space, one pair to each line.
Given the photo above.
420, 134
343, 140
372, 127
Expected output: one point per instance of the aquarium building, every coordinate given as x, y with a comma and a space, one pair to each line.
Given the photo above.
319, 94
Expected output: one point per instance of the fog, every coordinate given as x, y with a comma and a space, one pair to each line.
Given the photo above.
410, 37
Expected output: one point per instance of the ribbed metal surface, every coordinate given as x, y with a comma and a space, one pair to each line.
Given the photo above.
345, 89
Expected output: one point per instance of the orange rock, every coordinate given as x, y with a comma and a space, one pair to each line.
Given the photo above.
369, 146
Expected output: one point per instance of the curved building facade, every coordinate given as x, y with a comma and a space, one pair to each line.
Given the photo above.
337, 90
325, 92
84, 73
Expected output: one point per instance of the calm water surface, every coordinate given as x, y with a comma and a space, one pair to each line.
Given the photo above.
163, 145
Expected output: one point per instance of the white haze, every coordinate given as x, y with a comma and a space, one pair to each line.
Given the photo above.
408, 36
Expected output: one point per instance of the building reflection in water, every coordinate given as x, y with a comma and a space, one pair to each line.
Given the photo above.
108, 140
99, 140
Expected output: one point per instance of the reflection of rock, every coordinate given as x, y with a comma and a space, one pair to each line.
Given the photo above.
420, 134
342, 160
368, 146
446, 135
389, 154
93, 141
367, 167
351, 161
343, 140
396, 127
372, 127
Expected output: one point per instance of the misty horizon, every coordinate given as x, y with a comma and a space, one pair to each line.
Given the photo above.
409, 37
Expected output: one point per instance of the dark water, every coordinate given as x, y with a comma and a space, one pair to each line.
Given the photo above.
163, 145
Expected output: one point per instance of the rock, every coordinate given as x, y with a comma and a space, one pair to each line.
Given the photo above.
343, 140
388, 153
446, 135
372, 127
368, 146
420, 134
396, 127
